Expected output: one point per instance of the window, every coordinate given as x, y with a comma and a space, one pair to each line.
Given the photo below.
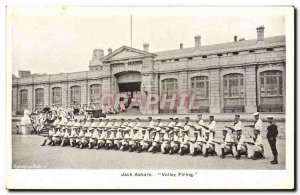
271, 83
39, 97
176, 60
270, 49
219, 54
95, 95
200, 87
251, 51
24, 98
234, 92
75, 95
233, 86
204, 56
190, 58
56, 96
235, 53
169, 87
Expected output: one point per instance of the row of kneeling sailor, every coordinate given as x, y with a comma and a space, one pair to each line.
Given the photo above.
174, 137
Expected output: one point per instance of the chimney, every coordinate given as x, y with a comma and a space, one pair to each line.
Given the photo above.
24, 73
235, 38
97, 54
146, 47
260, 33
181, 45
109, 50
197, 41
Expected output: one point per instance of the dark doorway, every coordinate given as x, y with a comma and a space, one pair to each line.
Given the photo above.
132, 90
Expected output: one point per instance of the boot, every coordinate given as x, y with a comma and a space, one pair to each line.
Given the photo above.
171, 151
154, 150
44, 142
90, 146
165, 151
214, 153
139, 149
206, 153
130, 149
98, 146
81, 146
116, 147
195, 152
275, 161
200, 152
255, 156
182, 151
63, 144
238, 156
223, 155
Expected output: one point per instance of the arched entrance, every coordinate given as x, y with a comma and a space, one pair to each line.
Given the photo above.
129, 83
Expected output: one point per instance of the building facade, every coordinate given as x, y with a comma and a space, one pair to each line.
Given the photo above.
238, 76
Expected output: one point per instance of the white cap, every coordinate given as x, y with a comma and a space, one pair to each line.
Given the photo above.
270, 116
256, 113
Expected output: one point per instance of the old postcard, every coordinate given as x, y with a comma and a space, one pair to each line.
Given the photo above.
170, 97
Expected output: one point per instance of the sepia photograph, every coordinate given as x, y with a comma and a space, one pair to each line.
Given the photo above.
149, 93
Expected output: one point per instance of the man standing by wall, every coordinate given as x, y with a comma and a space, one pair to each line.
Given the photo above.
272, 135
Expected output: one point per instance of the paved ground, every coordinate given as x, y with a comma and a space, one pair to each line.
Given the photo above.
27, 153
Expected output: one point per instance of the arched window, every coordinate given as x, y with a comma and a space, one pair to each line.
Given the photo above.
95, 95
271, 91
169, 87
271, 83
75, 95
39, 97
57, 96
200, 88
234, 86
24, 98
234, 92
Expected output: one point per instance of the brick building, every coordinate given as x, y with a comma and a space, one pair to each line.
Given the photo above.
238, 76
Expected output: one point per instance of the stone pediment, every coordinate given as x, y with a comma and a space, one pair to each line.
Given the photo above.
127, 53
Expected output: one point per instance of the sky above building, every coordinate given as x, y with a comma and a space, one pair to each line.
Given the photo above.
61, 40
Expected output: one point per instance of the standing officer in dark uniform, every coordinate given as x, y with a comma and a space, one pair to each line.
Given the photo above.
271, 135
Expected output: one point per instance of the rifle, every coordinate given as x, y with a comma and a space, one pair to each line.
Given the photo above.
233, 143
250, 143
204, 126
127, 139
231, 128
217, 142
252, 126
